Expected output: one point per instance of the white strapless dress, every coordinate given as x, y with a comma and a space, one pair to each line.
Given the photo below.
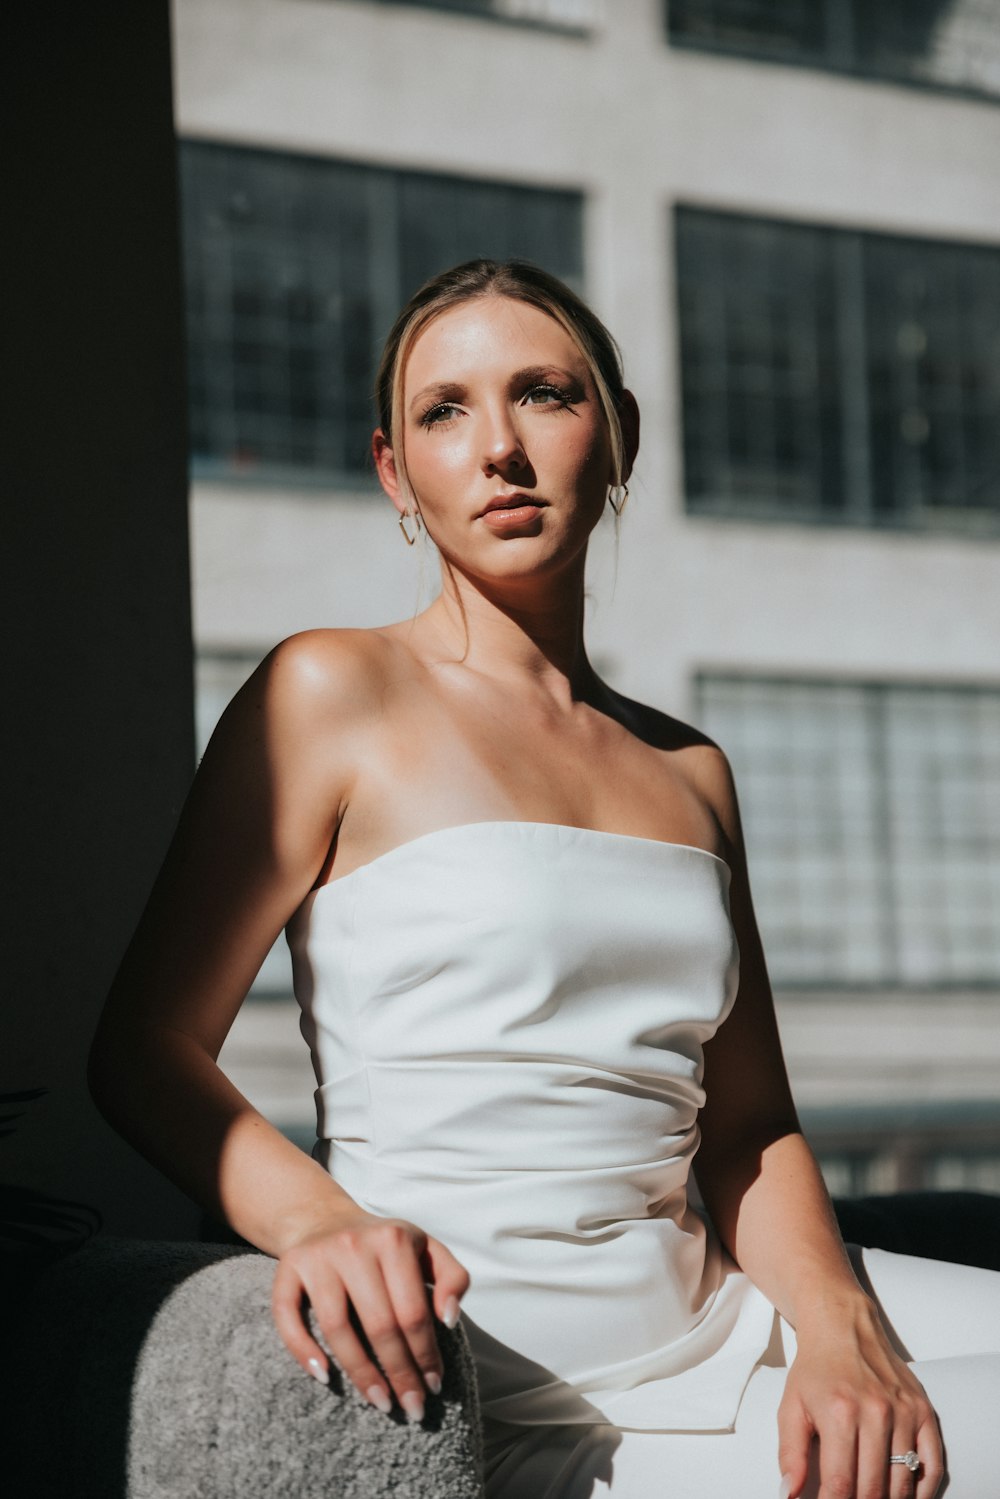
506, 1021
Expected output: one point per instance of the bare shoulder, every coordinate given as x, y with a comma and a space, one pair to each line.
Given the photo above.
294, 731
318, 671
315, 682
697, 758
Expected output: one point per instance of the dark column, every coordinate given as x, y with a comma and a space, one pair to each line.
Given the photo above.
97, 699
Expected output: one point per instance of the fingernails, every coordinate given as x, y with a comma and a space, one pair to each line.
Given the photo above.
379, 1399
786, 1487
433, 1383
412, 1405
319, 1371
450, 1314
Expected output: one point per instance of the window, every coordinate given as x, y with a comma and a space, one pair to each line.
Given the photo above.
295, 267
834, 375
572, 15
872, 820
952, 44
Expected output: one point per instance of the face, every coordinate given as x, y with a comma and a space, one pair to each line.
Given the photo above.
506, 444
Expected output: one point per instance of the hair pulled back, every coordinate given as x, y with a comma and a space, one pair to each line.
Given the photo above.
520, 281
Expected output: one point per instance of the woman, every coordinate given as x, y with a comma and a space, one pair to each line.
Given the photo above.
513, 898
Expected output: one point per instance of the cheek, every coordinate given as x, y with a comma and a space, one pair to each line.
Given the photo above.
587, 457
435, 464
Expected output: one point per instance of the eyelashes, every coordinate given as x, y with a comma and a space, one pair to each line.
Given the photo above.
436, 416
441, 414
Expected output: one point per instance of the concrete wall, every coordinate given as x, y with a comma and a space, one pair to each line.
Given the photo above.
97, 662
637, 126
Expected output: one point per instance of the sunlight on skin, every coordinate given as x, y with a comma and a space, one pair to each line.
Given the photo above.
499, 401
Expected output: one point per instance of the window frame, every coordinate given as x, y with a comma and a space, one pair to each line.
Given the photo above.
852, 337
385, 189
842, 61
890, 911
582, 31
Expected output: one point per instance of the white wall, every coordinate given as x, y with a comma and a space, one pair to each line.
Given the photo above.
637, 126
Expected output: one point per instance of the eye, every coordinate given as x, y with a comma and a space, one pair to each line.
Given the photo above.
439, 415
551, 396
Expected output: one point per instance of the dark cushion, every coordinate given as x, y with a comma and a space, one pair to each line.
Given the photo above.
963, 1227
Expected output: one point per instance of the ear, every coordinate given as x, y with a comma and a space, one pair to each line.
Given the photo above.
628, 415
385, 467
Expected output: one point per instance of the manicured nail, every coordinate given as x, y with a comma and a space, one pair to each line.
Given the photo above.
786, 1487
319, 1371
433, 1383
379, 1399
450, 1314
412, 1405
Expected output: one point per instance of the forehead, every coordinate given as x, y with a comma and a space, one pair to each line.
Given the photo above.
487, 334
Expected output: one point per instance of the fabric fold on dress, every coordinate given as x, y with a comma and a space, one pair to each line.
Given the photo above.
507, 1021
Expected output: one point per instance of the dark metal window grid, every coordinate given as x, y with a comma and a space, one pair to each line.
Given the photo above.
573, 16
295, 267
836, 375
872, 819
953, 45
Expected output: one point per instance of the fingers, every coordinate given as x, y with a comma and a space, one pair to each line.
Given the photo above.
855, 1444
877, 1422
795, 1435
917, 1432
389, 1297
930, 1449
371, 1274
287, 1304
450, 1279
414, 1315
840, 1452
902, 1482
330, 1307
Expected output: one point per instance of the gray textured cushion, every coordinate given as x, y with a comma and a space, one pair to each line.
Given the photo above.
154, 1371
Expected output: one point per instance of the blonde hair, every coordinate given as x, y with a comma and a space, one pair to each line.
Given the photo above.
520, 281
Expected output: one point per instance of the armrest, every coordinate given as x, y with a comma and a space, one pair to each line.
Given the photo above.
154, 1371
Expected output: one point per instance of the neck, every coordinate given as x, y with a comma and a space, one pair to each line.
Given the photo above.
527, 632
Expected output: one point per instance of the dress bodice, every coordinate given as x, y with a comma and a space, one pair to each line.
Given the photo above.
507, 1022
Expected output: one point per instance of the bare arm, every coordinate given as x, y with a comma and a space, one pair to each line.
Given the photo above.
764, 1191
253, 836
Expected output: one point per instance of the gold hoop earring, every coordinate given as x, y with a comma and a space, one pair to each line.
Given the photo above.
617, 496
402, 526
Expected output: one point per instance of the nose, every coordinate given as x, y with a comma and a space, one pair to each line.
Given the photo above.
502, 446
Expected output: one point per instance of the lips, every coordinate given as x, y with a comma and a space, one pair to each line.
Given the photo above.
516, 501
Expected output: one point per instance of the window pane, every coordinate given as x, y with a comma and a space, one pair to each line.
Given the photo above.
789, 30
295, 267
872, 819
572, 14
953, 44
932, 315
759, 360
837, 375
942, 767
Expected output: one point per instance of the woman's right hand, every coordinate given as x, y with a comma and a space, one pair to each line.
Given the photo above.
379, 1266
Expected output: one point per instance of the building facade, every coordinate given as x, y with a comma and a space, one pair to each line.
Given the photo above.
789, 216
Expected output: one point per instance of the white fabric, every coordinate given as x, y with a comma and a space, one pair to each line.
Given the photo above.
945, 1316
506, 1021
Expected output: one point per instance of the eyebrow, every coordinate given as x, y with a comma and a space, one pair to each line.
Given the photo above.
454, 390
